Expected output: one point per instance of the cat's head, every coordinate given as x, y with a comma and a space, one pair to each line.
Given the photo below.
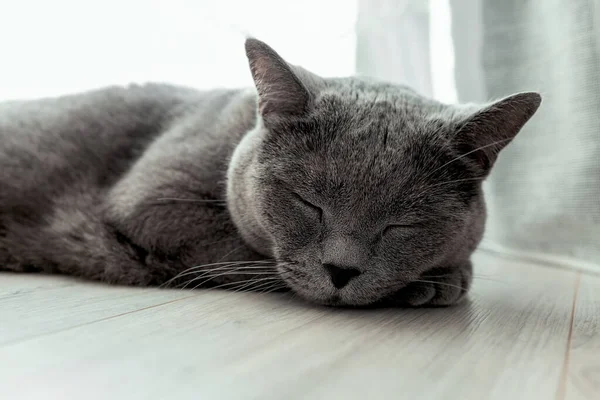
358, 187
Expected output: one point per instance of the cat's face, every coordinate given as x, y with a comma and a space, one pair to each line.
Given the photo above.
362, 187
357, 200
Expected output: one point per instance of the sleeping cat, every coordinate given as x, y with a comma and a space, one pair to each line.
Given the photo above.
346, 191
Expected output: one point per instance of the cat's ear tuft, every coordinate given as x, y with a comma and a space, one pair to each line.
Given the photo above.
483, 134
281, 92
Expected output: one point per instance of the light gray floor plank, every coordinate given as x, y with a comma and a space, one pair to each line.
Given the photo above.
583, 376
150, 352
509, 342
39, 304
17, 284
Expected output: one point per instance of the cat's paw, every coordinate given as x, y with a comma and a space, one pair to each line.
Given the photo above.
439, 287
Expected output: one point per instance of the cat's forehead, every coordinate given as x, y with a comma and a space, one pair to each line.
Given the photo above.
361, 106
363, 135
363, 91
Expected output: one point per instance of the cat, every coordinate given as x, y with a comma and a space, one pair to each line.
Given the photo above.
346, 191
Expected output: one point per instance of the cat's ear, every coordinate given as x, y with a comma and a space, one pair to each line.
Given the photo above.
484, 133
283, 90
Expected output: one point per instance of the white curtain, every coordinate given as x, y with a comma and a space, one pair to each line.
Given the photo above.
544, 194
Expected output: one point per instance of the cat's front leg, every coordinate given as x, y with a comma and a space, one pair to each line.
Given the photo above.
438, 287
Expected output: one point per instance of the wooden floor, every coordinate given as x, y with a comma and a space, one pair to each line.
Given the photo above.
528, 332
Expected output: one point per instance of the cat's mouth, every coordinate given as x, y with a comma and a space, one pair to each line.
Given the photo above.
328, 296
315, 286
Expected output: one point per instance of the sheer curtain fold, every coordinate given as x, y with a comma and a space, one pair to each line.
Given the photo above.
393, 42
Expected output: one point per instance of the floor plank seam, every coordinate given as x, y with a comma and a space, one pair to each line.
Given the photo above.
564, 375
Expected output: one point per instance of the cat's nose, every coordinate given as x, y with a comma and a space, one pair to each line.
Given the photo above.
340, 276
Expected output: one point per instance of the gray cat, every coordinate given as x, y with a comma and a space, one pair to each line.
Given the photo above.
346, 191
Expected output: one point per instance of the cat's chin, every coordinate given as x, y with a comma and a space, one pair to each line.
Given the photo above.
336, 299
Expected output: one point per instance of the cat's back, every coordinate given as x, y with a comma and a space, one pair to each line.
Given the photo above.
95, 135
95, 118
64, 163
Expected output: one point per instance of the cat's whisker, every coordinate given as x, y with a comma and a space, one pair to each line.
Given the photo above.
190, 271
430, 188
237, 272
207, 277
221, 265
466, 154
210, 275
269, 281
232, 251
226, 285
243, 283
274, 288
229, 263
226, 265
284, 266
206, 280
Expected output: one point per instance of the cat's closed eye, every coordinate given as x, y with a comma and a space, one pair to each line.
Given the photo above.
312, 208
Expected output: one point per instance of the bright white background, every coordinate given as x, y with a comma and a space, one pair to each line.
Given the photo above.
61, 46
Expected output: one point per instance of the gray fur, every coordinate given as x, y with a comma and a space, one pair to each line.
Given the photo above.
355, 188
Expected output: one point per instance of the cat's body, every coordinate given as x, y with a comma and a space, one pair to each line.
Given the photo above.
353, 188
92, 182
